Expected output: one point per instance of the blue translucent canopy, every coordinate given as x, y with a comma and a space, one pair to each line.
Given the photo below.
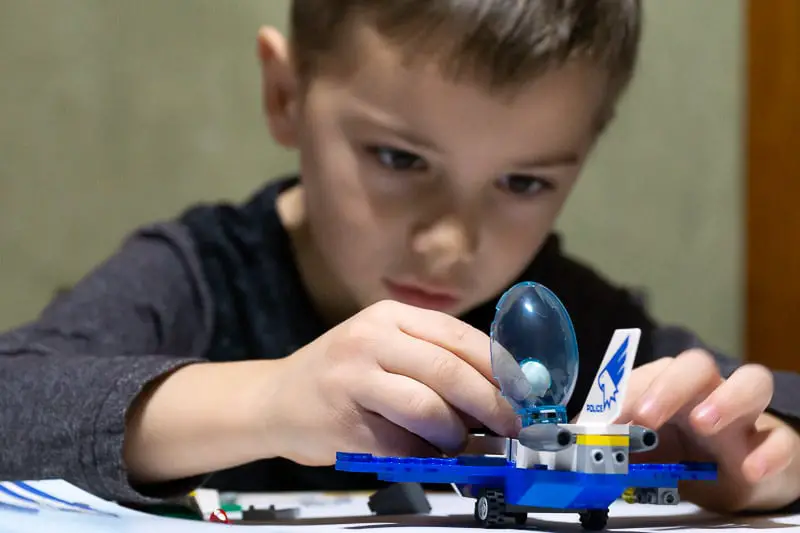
534, 350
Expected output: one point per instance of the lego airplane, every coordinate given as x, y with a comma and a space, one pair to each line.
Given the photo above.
553, 466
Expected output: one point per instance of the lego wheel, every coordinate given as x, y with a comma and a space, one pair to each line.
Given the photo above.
594, 520
490, 509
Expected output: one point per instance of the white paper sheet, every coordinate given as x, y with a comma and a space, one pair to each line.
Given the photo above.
50, 506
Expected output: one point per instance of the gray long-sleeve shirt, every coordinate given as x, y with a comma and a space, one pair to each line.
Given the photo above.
68, 378
220, 284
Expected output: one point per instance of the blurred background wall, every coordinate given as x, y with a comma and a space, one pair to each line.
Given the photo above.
661, 205
116, 113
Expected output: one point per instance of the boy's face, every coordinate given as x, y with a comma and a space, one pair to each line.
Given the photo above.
427, 191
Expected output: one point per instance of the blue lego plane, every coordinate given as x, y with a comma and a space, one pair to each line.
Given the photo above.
553, 466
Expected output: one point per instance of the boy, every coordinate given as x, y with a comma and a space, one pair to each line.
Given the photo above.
348, 309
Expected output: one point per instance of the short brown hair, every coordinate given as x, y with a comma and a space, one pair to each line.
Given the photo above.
502, 43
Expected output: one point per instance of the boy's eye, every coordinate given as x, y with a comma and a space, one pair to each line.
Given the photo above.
398, 160
523, 185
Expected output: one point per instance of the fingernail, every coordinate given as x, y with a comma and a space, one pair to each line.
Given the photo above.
708, 416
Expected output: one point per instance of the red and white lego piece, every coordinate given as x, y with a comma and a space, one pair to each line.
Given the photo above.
219, 516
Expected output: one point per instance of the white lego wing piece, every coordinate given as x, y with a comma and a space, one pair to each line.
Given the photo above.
605, 399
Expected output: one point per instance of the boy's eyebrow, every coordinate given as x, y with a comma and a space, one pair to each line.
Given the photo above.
396, 129
413, 138
565, 158
557, 159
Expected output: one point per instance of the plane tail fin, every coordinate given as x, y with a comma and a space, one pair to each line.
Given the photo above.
604, 402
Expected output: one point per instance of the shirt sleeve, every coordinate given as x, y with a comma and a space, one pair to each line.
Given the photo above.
68, 378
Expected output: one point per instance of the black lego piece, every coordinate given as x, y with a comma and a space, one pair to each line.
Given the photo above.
400, 499
483, 431
251, 514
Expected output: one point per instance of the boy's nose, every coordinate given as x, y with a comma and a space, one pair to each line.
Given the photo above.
444, 245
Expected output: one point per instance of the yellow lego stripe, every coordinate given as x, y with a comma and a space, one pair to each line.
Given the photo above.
603, 440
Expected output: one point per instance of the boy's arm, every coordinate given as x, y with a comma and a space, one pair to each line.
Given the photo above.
68, 379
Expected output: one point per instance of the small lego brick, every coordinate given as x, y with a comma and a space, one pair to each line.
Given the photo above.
652, 495
484, 431
598, 429
219, 516
231, 508
184, 508
400, 499
251, 514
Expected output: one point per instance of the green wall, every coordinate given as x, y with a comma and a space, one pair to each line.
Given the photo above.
115, 113
661, 203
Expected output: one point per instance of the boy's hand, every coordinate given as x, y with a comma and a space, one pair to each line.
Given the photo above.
702, 417
393, 380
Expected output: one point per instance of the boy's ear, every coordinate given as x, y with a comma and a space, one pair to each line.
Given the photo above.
279, 86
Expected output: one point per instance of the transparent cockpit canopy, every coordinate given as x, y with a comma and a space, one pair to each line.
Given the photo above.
534, 350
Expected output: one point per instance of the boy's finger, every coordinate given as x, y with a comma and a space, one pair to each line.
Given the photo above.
470, 421
411, 405
451, 334
691, 375
380, 437
771, 452
741, 398
640, 381
456, 381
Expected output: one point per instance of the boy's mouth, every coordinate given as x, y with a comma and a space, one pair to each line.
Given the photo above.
419, 296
